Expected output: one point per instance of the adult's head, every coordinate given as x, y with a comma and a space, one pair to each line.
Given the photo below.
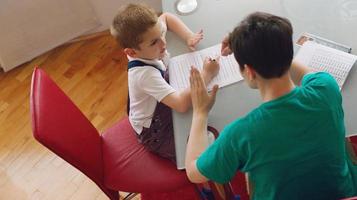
263, 42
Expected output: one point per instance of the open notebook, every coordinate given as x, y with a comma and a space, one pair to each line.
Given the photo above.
323, 58
180, 66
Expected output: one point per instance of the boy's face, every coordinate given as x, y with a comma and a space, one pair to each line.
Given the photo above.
153, 45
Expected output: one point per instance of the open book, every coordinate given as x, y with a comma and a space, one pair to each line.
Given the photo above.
180, 66
323, 58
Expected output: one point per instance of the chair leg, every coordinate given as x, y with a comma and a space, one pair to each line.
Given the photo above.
130, 196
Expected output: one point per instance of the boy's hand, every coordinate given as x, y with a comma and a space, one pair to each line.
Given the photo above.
210, 68
225, 50
194, 39
202, 102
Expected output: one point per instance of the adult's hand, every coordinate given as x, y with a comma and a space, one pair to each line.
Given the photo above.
202, 102
225, 50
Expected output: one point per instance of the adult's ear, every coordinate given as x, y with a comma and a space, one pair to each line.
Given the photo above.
251, 73
130, 52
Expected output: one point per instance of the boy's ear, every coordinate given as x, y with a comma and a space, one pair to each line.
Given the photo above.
130, 52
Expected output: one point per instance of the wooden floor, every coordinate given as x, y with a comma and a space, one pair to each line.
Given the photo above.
93, 74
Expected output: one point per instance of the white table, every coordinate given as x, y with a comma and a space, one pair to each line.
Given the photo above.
332, 19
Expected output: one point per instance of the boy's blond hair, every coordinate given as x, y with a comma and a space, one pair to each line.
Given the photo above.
131, 22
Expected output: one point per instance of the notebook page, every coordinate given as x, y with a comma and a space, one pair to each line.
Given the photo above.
180, 68
323, 58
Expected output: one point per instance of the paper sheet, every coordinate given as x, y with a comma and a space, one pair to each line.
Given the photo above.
180, 68
323, 58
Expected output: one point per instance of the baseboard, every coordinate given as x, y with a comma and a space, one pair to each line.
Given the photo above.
89, 36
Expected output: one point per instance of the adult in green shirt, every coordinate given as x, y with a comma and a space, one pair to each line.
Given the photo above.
293, 145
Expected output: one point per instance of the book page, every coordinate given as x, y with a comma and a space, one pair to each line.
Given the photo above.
180, 68
323, 58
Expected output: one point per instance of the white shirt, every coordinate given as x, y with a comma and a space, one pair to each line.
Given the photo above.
146, 88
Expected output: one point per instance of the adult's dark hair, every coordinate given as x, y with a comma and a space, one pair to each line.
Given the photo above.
264, 42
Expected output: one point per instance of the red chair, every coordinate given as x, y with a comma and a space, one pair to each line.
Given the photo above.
352, 141
352, 149
351, 198
114, 160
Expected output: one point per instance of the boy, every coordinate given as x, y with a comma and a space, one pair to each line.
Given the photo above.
141, 33
293, 145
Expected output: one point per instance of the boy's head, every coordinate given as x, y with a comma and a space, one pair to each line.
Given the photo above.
137, 29
263, 42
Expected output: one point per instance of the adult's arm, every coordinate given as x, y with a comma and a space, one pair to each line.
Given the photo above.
202, 103
298, 71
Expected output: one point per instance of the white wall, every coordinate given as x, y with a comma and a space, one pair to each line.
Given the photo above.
106, 9
32, 27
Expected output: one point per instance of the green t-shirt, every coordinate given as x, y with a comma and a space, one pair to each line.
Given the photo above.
292, 147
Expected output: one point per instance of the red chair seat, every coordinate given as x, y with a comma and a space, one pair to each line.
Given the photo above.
130, 167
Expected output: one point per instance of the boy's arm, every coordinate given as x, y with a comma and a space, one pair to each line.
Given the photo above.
178, 101
177, 26
298, 70
181, 101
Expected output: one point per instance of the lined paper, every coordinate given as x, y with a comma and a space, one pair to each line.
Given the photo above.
180, 68
327, 59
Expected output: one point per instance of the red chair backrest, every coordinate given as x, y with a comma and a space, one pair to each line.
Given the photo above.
60, 126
